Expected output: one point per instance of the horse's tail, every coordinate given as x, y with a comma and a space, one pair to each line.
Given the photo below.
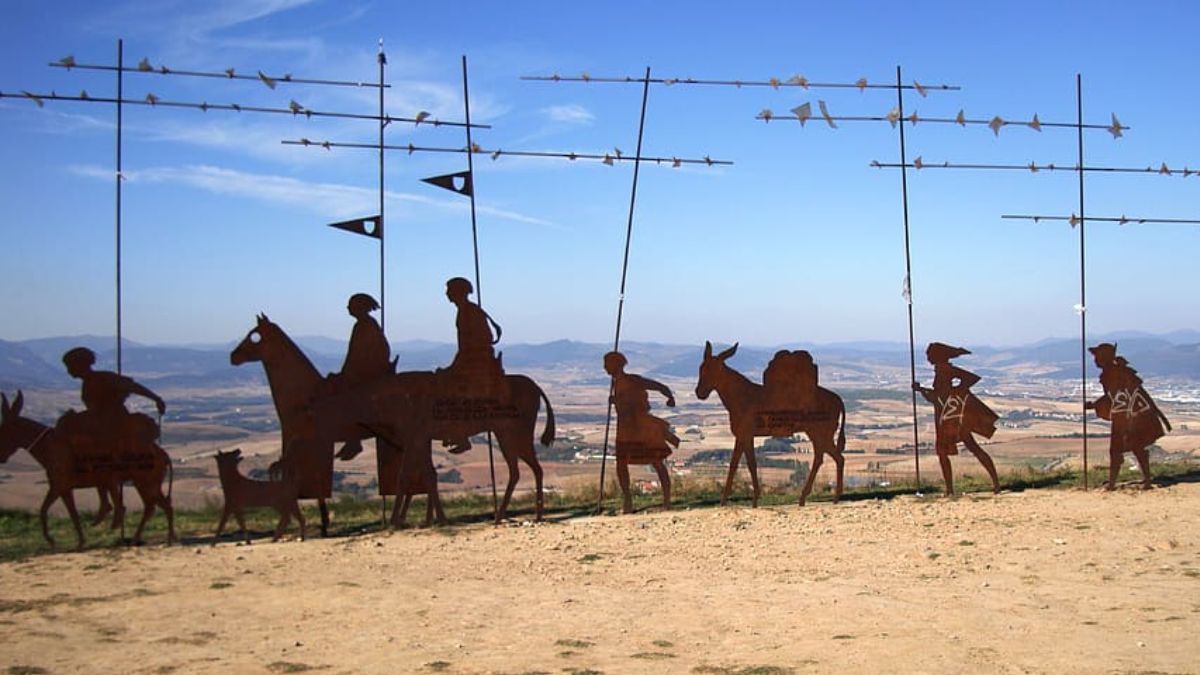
170, 473
549, 433
841, 437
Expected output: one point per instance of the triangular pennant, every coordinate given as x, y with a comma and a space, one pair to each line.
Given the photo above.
455, 182
370, 226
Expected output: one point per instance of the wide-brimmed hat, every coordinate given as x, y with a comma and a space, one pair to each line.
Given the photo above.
940, 351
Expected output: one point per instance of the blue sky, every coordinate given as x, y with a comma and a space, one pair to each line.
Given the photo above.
801, 241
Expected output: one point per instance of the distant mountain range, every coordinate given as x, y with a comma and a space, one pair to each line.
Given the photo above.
37, 363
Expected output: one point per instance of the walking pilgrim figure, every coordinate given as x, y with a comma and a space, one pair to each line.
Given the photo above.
958, 414
642, 438
1136, 419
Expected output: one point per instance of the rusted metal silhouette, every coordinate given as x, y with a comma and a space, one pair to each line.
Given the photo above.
72, 461
788, 402
242, 493
368, 357
1136, 420
112, 429
957, 412
475, 373
404, 410
642, 438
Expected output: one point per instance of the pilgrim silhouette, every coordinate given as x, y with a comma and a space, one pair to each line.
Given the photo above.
476, 372
368, 358
642, 438
958, 413
1136, 420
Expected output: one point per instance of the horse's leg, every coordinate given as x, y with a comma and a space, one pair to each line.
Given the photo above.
45, 510
514, 475
299, 517
400, 511
623, 481
105, 507
818, 459
664, 480
528, 454
241, 519
984, 459
947, 473
285, 520
148, 501
752, 465
839, 461
165, 502
733, 465
68, 498
324, 516
1143, 460
224, 517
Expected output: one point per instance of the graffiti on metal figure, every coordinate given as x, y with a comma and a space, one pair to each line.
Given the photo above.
1135, 418
958, 414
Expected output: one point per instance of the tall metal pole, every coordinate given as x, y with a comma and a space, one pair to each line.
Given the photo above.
120, 71
382, 231
1082, 280
475, 246
908, 285
637, 162
379, 225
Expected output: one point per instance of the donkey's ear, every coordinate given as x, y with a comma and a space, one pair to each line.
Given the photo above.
728, 352
18, 403
707, 350
3, 405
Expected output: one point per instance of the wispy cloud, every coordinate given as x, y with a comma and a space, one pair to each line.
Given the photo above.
328, 200
572, 114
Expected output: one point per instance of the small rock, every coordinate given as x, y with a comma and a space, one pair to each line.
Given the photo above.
1141, 644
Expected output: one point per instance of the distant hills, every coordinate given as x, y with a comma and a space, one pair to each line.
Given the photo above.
37, 363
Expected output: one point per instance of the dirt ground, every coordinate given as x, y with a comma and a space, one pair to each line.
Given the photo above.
1036, 581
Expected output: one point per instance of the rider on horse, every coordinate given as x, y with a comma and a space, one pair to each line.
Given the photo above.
368, 358
476, 371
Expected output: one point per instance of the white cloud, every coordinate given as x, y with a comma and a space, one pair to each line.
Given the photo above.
329, 200
573, 114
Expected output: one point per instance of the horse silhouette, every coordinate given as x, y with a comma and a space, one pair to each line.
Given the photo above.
752, 412
403, 411
66, 471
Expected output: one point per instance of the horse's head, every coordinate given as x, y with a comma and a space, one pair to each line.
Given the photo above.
711, 368
9, 416
250, 348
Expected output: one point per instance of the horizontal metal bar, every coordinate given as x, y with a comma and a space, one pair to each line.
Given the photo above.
774, 84
497, 154
234, 107
914, 120
1034, 168
1073, 219
230, 74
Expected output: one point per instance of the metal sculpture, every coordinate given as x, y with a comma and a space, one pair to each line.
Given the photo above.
788, 401
958, 413
73, 461
399, 410
242, 493
1136, 420
642, 438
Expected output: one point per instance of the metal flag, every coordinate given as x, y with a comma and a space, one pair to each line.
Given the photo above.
370, 226
826, 115
455, 182
803, 112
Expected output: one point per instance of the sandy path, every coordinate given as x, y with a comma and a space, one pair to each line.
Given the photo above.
1040, 581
